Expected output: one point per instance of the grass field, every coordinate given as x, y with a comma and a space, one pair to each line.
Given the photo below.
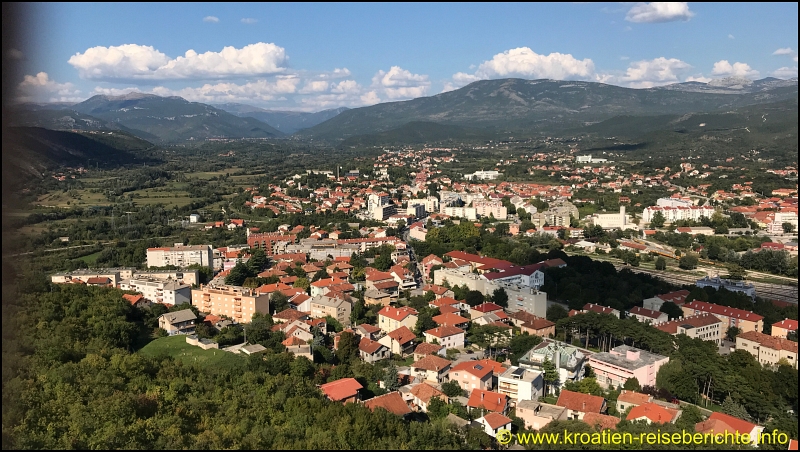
91, 258
161, 196
176, 347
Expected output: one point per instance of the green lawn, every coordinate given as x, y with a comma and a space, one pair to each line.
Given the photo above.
91, 258
176, 347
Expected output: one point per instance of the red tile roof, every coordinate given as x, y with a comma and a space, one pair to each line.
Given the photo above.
402, 335
496, 420
290, 314
655, 413
716, 309
738, 425
601, 421
341, 389
597, 308
431, 362
473, 368
369, 346
449, 319
133, 299
496, 367
444, 331
576, 401
489, 400
426, 348
426, 392
398, 314
787, 324
767, 341
633, 398
644, 312
697, 321
392, 402
487, 307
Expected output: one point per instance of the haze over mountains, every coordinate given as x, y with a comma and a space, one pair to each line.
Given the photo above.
481, 109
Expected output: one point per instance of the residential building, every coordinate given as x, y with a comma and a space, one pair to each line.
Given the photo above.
591, 307
482, 175
784, 327
767, 349
238, 303
537, 415
531, 324
720, 423
481, 399
629, 399
519, 383
431, 368
673, 214
613, 220
703, 326
495, 209
744, 320
733, 286
653, 413
471, 375
527, 298
645, 315
600, 422
372, 351
568, 359
159, 291
614, 368
181, 256
392, 402
578, 404
523, 276
451, 319
137, 300
426, 348
422, 395
271, 242
655, 303
178, 322
343, 390
493, 423
483, 309
399, 341
390, 318
446, 336
337, 307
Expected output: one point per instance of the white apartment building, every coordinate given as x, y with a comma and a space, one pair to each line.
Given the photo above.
159, 291
417, 210
520, 383
430, 203
519, 298
672, 214
482, 175
181, 256
237, 303
613, 220
776, 227
493, 208
470, 213
674, 202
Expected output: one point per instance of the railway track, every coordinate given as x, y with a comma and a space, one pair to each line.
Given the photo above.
764, 290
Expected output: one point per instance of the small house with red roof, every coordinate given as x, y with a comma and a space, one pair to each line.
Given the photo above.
399, 341
483, 309
432, 368
720, 423
372, 351
578, 404
343, 390
783, 328
392, 402
493, 423
391, 318
481, 399
472, 375
653, 413
591, 307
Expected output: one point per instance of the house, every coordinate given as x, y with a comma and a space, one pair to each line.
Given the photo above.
719, 423
655, 303
701, 326
399, 341
451, 319
392, 402
371, 351
614, 368
390, 318
784, 327
253, 349
422, 395
438, 291
375, 296
289, 315
629, 399
531, 324
426, 348
136, 300
537, 415
432, 368
343, 390
483, 309
519, 383
493, 423
653, 413
601, 421
337, 307
368, 331
591, 307
446, 336
471, 375
768, 349
178, 322
427, 263
744, 320
481, 399
99, 281
645, 315
578, 404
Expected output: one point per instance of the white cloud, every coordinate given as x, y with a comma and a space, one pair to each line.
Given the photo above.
649, 73
783, 51
524, 62
795, 58
730, 36
398, 83
138, 62
40, 88
249, 20
115, 91
211, 19
655, 12
785, 72
257, 90
726, 69
698, 78
315, 86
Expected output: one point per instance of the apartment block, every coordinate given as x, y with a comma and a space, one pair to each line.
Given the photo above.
181, 256
237, 303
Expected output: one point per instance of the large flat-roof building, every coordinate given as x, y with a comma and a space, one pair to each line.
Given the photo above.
237, 303
181, 256
744, 320
623, 362
519, 298
159, 291
569, 360
733, 286
767, 349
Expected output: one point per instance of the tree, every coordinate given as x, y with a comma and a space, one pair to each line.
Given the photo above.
390, 378
320, 274
474, 298
302, 283
347, 351
732, 408
632, 384
500, 297
258, 260
383, 262
732, 332
658, 220
425, 320
521, 344
736, 272
358, 312
688, 262
452, 389
239, 273
437, 409
550, 375
278, 301
661, 263
672, 310
788, 228
556, 312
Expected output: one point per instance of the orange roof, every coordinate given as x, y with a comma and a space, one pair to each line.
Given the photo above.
431, 362
787, 324
402, 335
369, 346
473, 368
487, 307
290, 314
601, 421
426, 348
496, 367
735, 423
133, 299
655, 413
426, 392
293, 340
444, 331
392, 402
397, 314
584, 403
341, 389
726, 311
490, 400
633, 397
449, 319
771, 342
496, 420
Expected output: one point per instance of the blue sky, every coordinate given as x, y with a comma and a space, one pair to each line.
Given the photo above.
315, 56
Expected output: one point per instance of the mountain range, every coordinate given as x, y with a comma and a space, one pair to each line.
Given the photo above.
287, 122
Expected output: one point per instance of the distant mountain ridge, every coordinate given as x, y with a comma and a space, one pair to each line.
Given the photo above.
286, 121
512, 105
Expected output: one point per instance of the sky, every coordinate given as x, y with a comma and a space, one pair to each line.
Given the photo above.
312, 57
